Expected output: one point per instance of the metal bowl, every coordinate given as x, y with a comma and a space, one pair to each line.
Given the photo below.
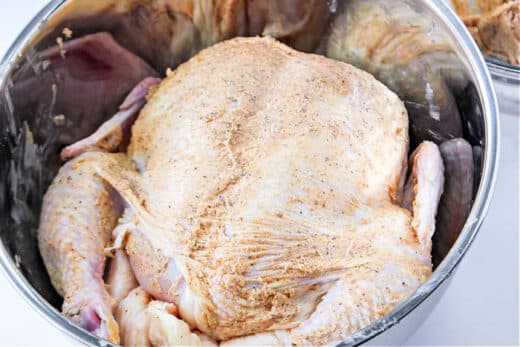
29, 161
506, 78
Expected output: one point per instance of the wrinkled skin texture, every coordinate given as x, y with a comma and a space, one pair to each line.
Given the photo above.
94, 67
147, 322
218, 228
79, 213
457, 198
411, 60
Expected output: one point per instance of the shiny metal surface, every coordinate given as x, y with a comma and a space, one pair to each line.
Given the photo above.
507, 84
16, 247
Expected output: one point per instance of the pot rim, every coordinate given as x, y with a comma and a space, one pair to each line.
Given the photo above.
483, 83
502, 70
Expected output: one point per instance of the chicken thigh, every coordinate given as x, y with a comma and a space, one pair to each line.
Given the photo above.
263, 191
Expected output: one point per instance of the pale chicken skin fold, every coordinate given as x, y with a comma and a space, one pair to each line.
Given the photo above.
263, 191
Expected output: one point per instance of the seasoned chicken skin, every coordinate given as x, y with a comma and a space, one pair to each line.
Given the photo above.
265, 198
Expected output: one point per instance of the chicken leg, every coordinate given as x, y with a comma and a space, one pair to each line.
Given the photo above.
80, 210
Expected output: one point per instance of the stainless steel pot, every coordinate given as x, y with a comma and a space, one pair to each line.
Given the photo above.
28, 161
506, 78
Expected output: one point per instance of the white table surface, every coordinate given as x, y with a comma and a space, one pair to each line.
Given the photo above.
480, 307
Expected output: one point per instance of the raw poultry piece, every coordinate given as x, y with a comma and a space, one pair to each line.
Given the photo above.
455, 204
86, 300
147, 322
65, 79
78, 215
120, 279
425, 178
133, 318
263, 191
409, 53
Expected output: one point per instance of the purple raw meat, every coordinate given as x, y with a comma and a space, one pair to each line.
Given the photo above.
457, 198
83, 83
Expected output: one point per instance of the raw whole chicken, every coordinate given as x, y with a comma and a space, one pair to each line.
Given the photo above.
265, 198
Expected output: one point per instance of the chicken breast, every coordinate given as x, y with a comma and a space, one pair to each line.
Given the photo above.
266, 198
